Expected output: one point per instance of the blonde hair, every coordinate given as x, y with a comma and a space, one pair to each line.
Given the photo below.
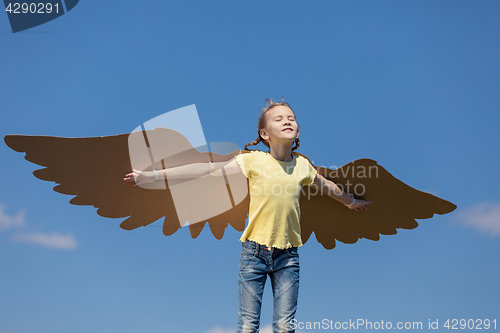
262, 123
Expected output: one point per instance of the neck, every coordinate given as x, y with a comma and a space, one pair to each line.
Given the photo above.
282, 152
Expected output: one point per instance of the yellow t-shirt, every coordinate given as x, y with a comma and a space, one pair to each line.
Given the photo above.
274, 188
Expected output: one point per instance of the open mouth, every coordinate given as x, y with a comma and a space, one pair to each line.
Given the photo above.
288, 130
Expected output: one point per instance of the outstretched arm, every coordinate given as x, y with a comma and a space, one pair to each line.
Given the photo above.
193, 170
336, 193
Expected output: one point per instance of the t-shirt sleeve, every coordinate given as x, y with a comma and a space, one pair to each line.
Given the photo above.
311, 175
245, 161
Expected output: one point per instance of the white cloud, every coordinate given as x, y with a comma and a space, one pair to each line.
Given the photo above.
10, 221
269, 329
54, 240
221, 330
484, 217
265, 329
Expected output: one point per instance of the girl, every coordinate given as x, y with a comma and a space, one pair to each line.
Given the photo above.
272, 236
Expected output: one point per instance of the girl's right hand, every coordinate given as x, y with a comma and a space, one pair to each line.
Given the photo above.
360, 205
140, 177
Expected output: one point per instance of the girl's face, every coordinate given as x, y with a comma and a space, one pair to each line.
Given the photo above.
281, 126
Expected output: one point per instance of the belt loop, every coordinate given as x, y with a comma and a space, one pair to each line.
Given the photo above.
257, 247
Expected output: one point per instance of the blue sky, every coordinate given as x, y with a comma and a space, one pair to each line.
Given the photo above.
413, 85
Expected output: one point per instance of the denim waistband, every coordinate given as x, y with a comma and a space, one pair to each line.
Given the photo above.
251, 245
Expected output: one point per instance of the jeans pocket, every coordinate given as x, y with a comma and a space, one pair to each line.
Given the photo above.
247, 258
293, 252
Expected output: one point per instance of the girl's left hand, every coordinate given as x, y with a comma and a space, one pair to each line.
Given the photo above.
360, 205
139, 177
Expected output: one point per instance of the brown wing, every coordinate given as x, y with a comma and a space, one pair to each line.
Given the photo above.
92, 170
395, 205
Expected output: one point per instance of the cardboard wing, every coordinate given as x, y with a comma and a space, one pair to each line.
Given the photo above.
395, 205
92, 170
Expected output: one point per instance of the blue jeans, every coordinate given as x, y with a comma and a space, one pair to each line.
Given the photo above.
282, 266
